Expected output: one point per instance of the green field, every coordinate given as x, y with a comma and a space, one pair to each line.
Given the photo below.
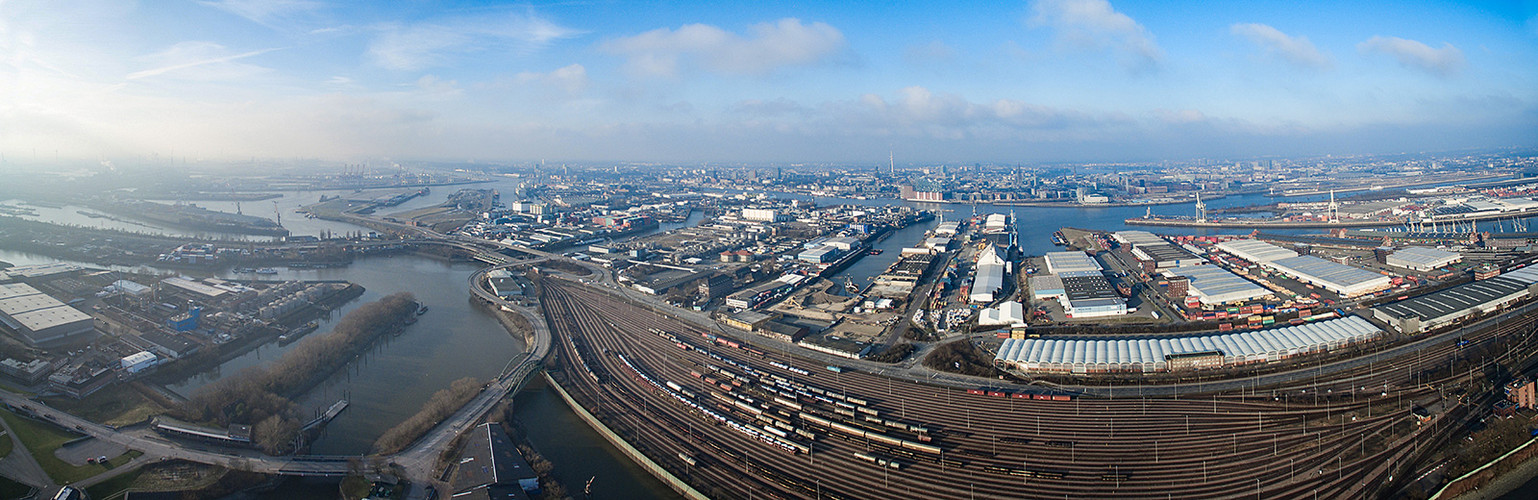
118, 405
42, 439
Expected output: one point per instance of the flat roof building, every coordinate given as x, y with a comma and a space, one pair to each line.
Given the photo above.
1087, 294
1062, 262
1339, 278
1422, 259
1215, 285
1046, 286
1437, 309
1165, 255
39, 318
1255, 250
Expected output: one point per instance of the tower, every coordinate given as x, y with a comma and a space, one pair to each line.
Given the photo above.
1334, 208
891, 163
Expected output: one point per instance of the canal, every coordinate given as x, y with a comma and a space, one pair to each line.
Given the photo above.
459, 339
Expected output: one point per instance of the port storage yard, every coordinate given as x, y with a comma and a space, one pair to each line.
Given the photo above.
735, 420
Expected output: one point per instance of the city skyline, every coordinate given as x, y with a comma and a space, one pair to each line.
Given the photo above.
1058, 80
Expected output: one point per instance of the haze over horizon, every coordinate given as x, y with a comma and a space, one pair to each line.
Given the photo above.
1040, 80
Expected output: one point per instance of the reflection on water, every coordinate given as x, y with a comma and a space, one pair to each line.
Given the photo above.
391, 380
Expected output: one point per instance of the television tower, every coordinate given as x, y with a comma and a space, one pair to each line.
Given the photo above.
891, 163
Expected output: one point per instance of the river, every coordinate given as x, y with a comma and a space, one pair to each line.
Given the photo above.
457, 339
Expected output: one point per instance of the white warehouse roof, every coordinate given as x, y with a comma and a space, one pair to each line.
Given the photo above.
1060, 262
1148, 354
1215, 285
1339, 278
1255, 250
1422, 259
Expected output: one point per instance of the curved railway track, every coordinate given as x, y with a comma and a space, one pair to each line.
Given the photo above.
623, 363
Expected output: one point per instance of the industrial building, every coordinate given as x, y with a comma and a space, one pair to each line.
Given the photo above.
1062, 262
1046, 286
38, 318
504, 283
764, 215
1435, 310
1135, 238
1422, 258
1215, 285
1255, 250
1155, 252
490, 467
1164, 256
1339, 278
1087, 294
991, 271
1007, 313
1158, 354
139, 361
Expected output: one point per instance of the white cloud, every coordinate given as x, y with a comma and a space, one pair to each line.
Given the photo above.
201, 61
1444, 62
1296, 50
264, 12
570, 79
1095, 24
767, 47
411, 47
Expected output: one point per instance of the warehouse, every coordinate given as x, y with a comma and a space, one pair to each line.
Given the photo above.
1339, 278
991, 272
1435, 310
1423, 259
1165, 255
1136, 238
38, 318
1061, 262
1148, 355
1087, 294
1255, 250
1007, 313
1046, 286
1215, 285
197, 289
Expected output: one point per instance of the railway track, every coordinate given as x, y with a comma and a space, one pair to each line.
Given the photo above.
677, 392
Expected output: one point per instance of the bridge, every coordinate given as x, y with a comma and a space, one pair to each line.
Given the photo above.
418, 461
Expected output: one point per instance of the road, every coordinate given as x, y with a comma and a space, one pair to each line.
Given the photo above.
418, 461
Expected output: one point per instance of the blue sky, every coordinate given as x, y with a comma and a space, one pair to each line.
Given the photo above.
683, 82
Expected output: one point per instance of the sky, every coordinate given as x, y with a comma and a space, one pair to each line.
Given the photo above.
796, 82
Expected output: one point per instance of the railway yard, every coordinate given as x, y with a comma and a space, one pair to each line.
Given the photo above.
735, 421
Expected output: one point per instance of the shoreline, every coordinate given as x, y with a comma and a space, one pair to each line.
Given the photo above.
662, 474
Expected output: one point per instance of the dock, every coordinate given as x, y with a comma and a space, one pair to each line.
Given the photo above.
330, 413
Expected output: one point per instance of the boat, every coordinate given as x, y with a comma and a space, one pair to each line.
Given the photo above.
244, 270
297, 332
266, 270
422, 310
1058, 239
876, 251
588, 489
